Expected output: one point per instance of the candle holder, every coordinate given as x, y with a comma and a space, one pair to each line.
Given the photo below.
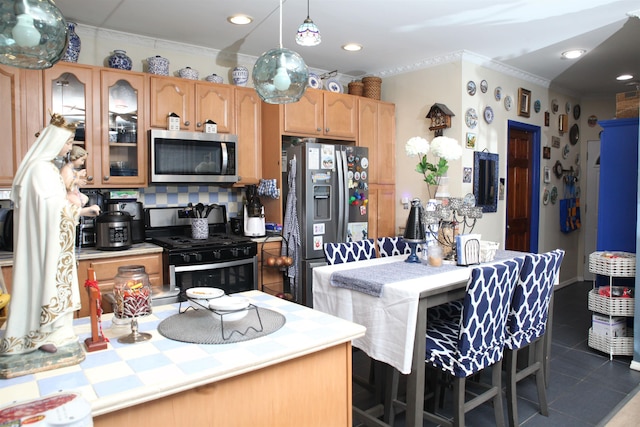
132, 294
443, 223
414, 232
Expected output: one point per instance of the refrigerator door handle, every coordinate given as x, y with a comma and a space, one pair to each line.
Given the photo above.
343, 192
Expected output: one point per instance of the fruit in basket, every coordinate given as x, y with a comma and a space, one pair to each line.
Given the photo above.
279, 261
271, 261
288, 261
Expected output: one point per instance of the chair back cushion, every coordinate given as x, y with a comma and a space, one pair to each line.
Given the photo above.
530, 303
338, 253
390, 246
477, 340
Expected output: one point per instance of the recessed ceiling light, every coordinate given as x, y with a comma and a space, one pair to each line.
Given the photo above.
573, 54
624, 77
240, 19
352, 47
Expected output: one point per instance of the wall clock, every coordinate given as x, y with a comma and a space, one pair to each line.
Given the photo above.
576, 111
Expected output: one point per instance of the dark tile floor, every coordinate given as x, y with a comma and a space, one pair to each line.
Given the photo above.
584, 387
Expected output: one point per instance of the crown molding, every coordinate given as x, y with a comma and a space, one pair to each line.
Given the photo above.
467, 56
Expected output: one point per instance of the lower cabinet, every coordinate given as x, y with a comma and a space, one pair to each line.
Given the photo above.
270, 278
382, 213
106, 270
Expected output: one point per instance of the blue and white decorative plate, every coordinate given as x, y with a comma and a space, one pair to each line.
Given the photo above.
333, 85
314, 81
488, 114
536, 106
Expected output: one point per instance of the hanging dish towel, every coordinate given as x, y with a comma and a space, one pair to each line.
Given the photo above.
291, 230
269, 188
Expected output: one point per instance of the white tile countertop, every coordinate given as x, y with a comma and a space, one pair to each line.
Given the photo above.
125, 375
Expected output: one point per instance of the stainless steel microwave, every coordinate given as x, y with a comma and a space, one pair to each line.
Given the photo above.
192, 157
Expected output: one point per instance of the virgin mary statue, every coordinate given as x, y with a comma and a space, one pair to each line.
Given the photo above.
45, 282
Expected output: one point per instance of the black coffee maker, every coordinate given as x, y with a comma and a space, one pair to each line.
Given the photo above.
254, 225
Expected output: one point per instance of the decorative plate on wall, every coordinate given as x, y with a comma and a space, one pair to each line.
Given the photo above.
536, 106
545, 197
554, 106
471, 118
488, 114
484, 86
497, 93
471, 87
574, 134
576, 111
508, 102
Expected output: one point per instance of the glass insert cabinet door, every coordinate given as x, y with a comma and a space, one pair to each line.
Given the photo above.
69, 91
122, 139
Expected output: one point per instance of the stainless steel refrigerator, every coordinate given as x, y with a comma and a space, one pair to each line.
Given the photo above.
331, 188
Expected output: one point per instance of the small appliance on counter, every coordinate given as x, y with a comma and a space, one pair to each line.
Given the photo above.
135, 209
113, 229
237, 225
254, 224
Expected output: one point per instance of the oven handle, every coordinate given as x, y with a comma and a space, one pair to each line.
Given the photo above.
214, 265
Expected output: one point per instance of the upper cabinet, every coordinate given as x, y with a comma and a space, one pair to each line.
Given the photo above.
377, 131
195, 103
124, 159
69, 90
108, 107
322, 114
20, 117
248, 115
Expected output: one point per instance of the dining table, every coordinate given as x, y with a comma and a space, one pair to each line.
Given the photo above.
390, 297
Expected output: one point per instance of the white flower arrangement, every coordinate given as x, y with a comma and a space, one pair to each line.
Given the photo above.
443, 147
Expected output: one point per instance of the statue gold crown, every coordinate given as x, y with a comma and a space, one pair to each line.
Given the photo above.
59, 121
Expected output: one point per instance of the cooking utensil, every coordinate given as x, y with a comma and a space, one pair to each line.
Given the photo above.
200, 210
208, 211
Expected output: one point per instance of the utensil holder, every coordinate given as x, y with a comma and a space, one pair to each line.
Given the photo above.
200, 228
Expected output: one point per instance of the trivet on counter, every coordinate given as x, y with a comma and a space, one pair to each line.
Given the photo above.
206, 327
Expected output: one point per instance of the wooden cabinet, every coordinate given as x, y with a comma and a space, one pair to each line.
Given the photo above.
377, 131
322, 114
21, 117
382, 212
195, 103
123, 160
106, 270
109, 107
7, 276
249, 131
72, 90
270, 278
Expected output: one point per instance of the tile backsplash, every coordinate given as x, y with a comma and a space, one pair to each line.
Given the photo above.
176, 195
181, 195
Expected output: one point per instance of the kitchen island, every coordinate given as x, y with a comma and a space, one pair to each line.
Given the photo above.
299, 375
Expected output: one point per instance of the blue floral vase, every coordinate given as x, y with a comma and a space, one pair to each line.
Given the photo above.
73, 47
240, 75
120, 60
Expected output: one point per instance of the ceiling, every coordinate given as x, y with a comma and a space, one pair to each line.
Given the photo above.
402, 35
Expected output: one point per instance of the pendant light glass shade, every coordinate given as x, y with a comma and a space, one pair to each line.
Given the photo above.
308, 34
280, 75
33, 34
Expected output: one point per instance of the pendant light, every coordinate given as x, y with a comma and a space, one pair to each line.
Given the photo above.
33, 34
280, 75
308, 32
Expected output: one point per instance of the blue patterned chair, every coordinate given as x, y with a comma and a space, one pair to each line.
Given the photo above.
338, 253
476, 341
527, 324
390, 246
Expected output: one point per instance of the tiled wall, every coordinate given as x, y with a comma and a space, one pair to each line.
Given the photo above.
181, 195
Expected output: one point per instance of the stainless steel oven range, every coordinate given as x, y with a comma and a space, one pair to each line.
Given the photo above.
224, 261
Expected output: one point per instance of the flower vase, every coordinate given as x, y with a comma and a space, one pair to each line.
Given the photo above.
73, 47
442, 191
